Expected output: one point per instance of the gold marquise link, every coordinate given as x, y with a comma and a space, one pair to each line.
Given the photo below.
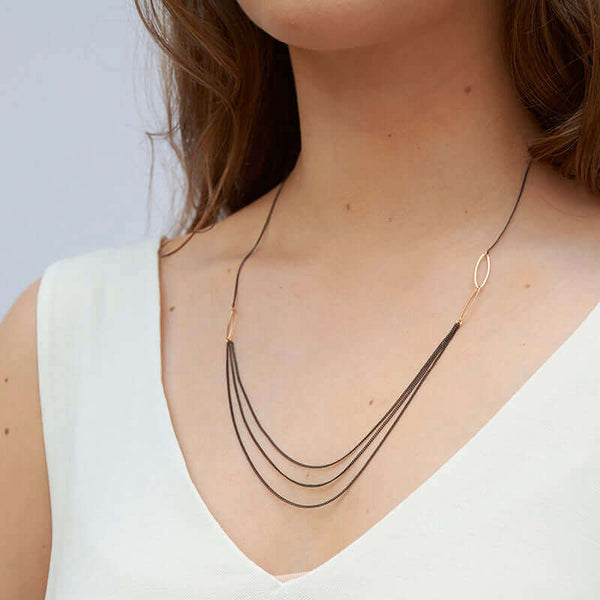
478, 285
229, 329
487, 274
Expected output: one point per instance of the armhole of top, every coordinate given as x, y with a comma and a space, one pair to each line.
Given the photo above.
43, 326
52, 412
44, 311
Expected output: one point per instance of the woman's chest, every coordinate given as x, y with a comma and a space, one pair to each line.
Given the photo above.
317, 401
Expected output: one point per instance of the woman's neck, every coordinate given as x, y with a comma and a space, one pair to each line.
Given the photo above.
424, 131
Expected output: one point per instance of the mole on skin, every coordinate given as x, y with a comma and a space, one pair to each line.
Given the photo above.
171, 309
6, 431
6, 380
468, 89
347, 206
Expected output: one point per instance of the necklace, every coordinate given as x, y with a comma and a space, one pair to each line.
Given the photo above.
235, 387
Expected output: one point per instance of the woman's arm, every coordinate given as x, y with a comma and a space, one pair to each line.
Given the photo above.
25, 519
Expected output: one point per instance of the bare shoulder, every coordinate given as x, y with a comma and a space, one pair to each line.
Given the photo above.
225, 240
204, 263
24, 501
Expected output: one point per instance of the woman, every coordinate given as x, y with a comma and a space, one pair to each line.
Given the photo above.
127, 465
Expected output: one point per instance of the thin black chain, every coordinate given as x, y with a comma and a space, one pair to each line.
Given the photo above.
235, 385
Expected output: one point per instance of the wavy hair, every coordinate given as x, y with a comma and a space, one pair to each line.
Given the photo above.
232, 116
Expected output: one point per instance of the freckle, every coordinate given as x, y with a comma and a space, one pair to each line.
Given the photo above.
6, 431
389, 219
307, 475
347, 206
367, 510
370, 402
466, 212
389, 135
171, 309
468, 89
527, 285
229, 269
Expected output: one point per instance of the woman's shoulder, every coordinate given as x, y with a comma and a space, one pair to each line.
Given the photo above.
223, 241
76, 284
105, 257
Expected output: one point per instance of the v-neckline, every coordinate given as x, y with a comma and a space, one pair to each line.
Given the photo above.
345, 553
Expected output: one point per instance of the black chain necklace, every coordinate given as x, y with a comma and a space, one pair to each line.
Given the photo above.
234, 383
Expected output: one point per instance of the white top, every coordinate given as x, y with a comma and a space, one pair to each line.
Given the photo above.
514, 514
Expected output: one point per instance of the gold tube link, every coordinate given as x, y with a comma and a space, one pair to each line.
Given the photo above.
471, 298
229, 329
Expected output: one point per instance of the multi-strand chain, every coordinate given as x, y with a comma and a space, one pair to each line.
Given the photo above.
392, 415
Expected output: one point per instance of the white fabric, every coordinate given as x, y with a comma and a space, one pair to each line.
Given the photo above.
514, 514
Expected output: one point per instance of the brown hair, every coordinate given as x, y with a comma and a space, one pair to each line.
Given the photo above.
232, 116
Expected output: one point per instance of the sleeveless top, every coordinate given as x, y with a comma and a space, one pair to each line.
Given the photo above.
515, 513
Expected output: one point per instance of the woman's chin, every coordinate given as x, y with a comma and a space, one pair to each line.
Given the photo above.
343, 24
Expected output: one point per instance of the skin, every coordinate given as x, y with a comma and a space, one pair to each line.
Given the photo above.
414, 145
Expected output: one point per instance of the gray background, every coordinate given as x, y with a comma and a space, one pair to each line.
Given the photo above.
78, 89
